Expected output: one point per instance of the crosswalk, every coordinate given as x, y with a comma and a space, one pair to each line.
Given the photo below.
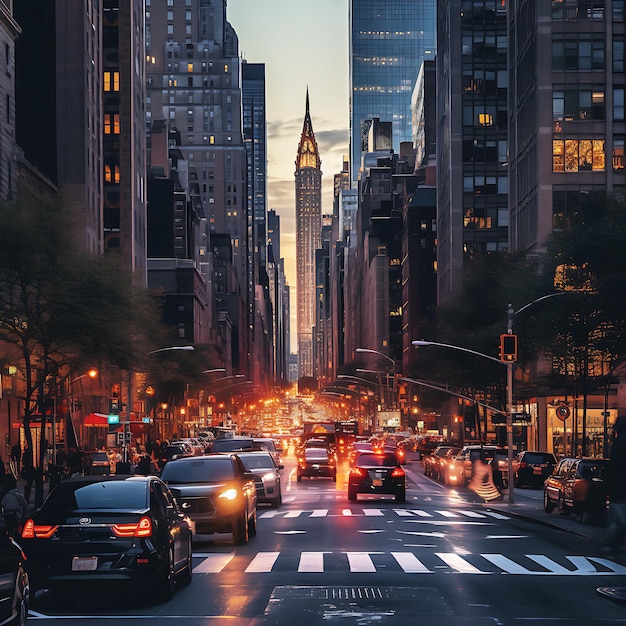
375, 512
437, 562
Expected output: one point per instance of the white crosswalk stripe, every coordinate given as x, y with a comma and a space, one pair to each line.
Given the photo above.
403, 513
409, 563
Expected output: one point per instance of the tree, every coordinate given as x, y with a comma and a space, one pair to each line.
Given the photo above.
60, 307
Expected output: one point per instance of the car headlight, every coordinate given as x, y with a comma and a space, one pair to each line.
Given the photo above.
266, 478
229, 494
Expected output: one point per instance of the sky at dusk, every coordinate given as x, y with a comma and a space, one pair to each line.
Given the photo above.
302, 44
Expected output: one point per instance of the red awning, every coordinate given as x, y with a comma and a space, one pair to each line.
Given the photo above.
96, 419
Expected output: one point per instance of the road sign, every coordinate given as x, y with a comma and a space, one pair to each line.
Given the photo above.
520, 417
563, 412
113, 419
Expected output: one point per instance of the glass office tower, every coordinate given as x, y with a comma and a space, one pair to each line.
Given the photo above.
389, 40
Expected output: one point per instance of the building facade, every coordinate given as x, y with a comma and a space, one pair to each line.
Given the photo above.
388, 42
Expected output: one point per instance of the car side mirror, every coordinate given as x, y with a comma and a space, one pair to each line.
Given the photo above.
281, 466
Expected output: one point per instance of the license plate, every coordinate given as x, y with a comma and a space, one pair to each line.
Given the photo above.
377, 482
536, 470
84, 564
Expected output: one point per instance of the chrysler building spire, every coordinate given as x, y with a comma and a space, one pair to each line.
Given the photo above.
308, 238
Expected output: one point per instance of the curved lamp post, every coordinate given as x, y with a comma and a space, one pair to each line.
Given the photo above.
509, 400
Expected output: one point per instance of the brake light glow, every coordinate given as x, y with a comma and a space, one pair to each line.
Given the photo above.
397, 473
523, 464
42, 531
357, 471
143, 528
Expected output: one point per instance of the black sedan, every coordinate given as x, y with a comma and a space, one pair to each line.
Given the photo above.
217, 492
315, 463
14, 584
93, 530
377, 474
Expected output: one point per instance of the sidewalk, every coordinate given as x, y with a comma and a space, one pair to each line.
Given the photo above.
528, 504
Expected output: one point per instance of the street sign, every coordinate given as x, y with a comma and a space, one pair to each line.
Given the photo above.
563, 412
521, 417
113, 419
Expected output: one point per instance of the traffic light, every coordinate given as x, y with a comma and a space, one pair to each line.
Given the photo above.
508, 348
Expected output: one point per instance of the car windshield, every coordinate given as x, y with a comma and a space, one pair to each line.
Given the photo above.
209, 470
257, 461
116, 495
377, 460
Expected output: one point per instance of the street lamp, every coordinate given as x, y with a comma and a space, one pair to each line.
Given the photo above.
184, 348
215, 369
370, 351
509, 401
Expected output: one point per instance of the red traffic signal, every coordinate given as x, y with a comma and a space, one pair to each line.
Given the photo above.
508, 348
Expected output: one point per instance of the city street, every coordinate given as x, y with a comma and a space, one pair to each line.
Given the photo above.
440, 556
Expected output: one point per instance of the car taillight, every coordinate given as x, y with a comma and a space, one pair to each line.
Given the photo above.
143, 528
397, 473
358, 471
523, 465
41, 531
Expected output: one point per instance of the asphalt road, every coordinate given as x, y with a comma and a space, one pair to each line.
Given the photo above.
443, 557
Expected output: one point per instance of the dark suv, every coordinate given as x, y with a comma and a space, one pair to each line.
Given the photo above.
577, 486
532, 468
216, 492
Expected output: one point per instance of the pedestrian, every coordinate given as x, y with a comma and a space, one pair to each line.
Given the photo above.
14, 507
16, 457
28, 471
616, 483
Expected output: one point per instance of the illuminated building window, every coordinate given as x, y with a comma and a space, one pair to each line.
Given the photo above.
578, 155
111, 81
189, 67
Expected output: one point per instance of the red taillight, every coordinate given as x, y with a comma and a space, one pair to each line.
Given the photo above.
358, 471
143, 528
42, 531
523, 465
397, 473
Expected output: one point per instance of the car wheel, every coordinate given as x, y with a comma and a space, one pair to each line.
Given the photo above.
241, 530
252, 525
276, 502
401, 496
548, 505
299, 478
185, 575
563, 509
165, 587
352, 495
334, 478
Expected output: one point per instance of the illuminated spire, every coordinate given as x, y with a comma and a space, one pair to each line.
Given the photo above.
308, 154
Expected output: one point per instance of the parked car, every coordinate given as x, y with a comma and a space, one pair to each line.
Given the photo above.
531, 468
432, 461
266, 476
378, 474
460, 468
577, 486
14, 582
103, 529
171, 452
316, 463
217, 492
99, 464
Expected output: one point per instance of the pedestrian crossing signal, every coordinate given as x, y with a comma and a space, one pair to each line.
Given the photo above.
508, 348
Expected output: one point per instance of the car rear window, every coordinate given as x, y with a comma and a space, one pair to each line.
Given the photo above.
118, 495
537, 458
377, 460
211, 469
591, 469
316, 453
229, 445
257, 461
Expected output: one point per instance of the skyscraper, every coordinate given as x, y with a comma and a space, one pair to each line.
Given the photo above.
566, 112
388, 43
472, 201
308, 177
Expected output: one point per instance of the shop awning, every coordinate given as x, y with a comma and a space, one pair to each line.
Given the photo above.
96, 419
